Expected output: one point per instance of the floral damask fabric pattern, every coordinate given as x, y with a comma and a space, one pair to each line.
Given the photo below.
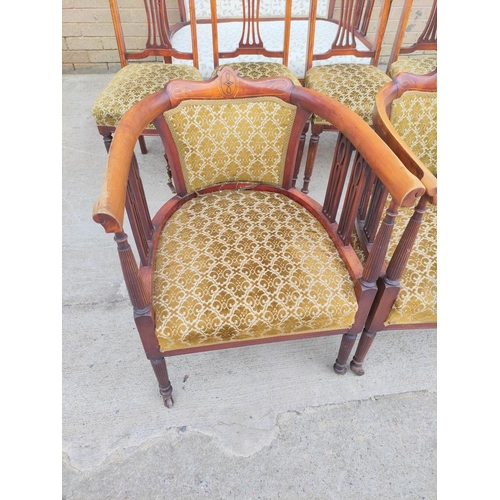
354, 85
222, 141
133, 83
417, 298
417, 65
240, 265
257, 70
414, 116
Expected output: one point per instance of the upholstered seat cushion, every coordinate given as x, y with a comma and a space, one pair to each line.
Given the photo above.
354, 85
414, 116
419, 65
256, 70
243, 265
134, 82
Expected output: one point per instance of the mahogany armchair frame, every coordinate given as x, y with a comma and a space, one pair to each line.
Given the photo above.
389, 283
123, 190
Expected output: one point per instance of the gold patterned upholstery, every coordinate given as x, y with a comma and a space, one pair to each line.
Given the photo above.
239, 140
414, 116
417, 298
131, 84
420, 65
354, 85
237, 265
256, 70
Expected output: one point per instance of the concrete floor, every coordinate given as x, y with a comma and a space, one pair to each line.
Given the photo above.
266, 422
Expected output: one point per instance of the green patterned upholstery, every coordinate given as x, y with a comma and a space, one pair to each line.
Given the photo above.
414, 116
354, 85
244, 265
239, 140
256, 70
419, 65
133, 83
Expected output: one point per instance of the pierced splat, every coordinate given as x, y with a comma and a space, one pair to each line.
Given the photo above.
250, 36
353, 19
158, 27
428, 38
251, 42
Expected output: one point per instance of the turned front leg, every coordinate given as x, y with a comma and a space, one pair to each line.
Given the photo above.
311, 156
346, 346
364, 345
300, 152
160, 369
142, 145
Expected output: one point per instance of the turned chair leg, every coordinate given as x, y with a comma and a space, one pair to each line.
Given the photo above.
107, 141
142, 144
311, 156
364, 345
108, 138
160, 369
346, 346
300, 152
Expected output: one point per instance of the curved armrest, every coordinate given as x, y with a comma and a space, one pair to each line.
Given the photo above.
383, 126
109, 209
403, 186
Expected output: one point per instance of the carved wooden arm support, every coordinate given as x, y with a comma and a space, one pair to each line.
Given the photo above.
384, 127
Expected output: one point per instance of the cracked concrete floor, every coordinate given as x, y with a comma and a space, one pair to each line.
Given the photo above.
264, 422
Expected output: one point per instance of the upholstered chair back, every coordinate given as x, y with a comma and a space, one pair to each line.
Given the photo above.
220, 141
414, 116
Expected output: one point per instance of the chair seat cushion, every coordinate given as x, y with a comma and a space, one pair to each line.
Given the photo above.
133, 83
420, 65
239, 265
354, 85
256, 70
